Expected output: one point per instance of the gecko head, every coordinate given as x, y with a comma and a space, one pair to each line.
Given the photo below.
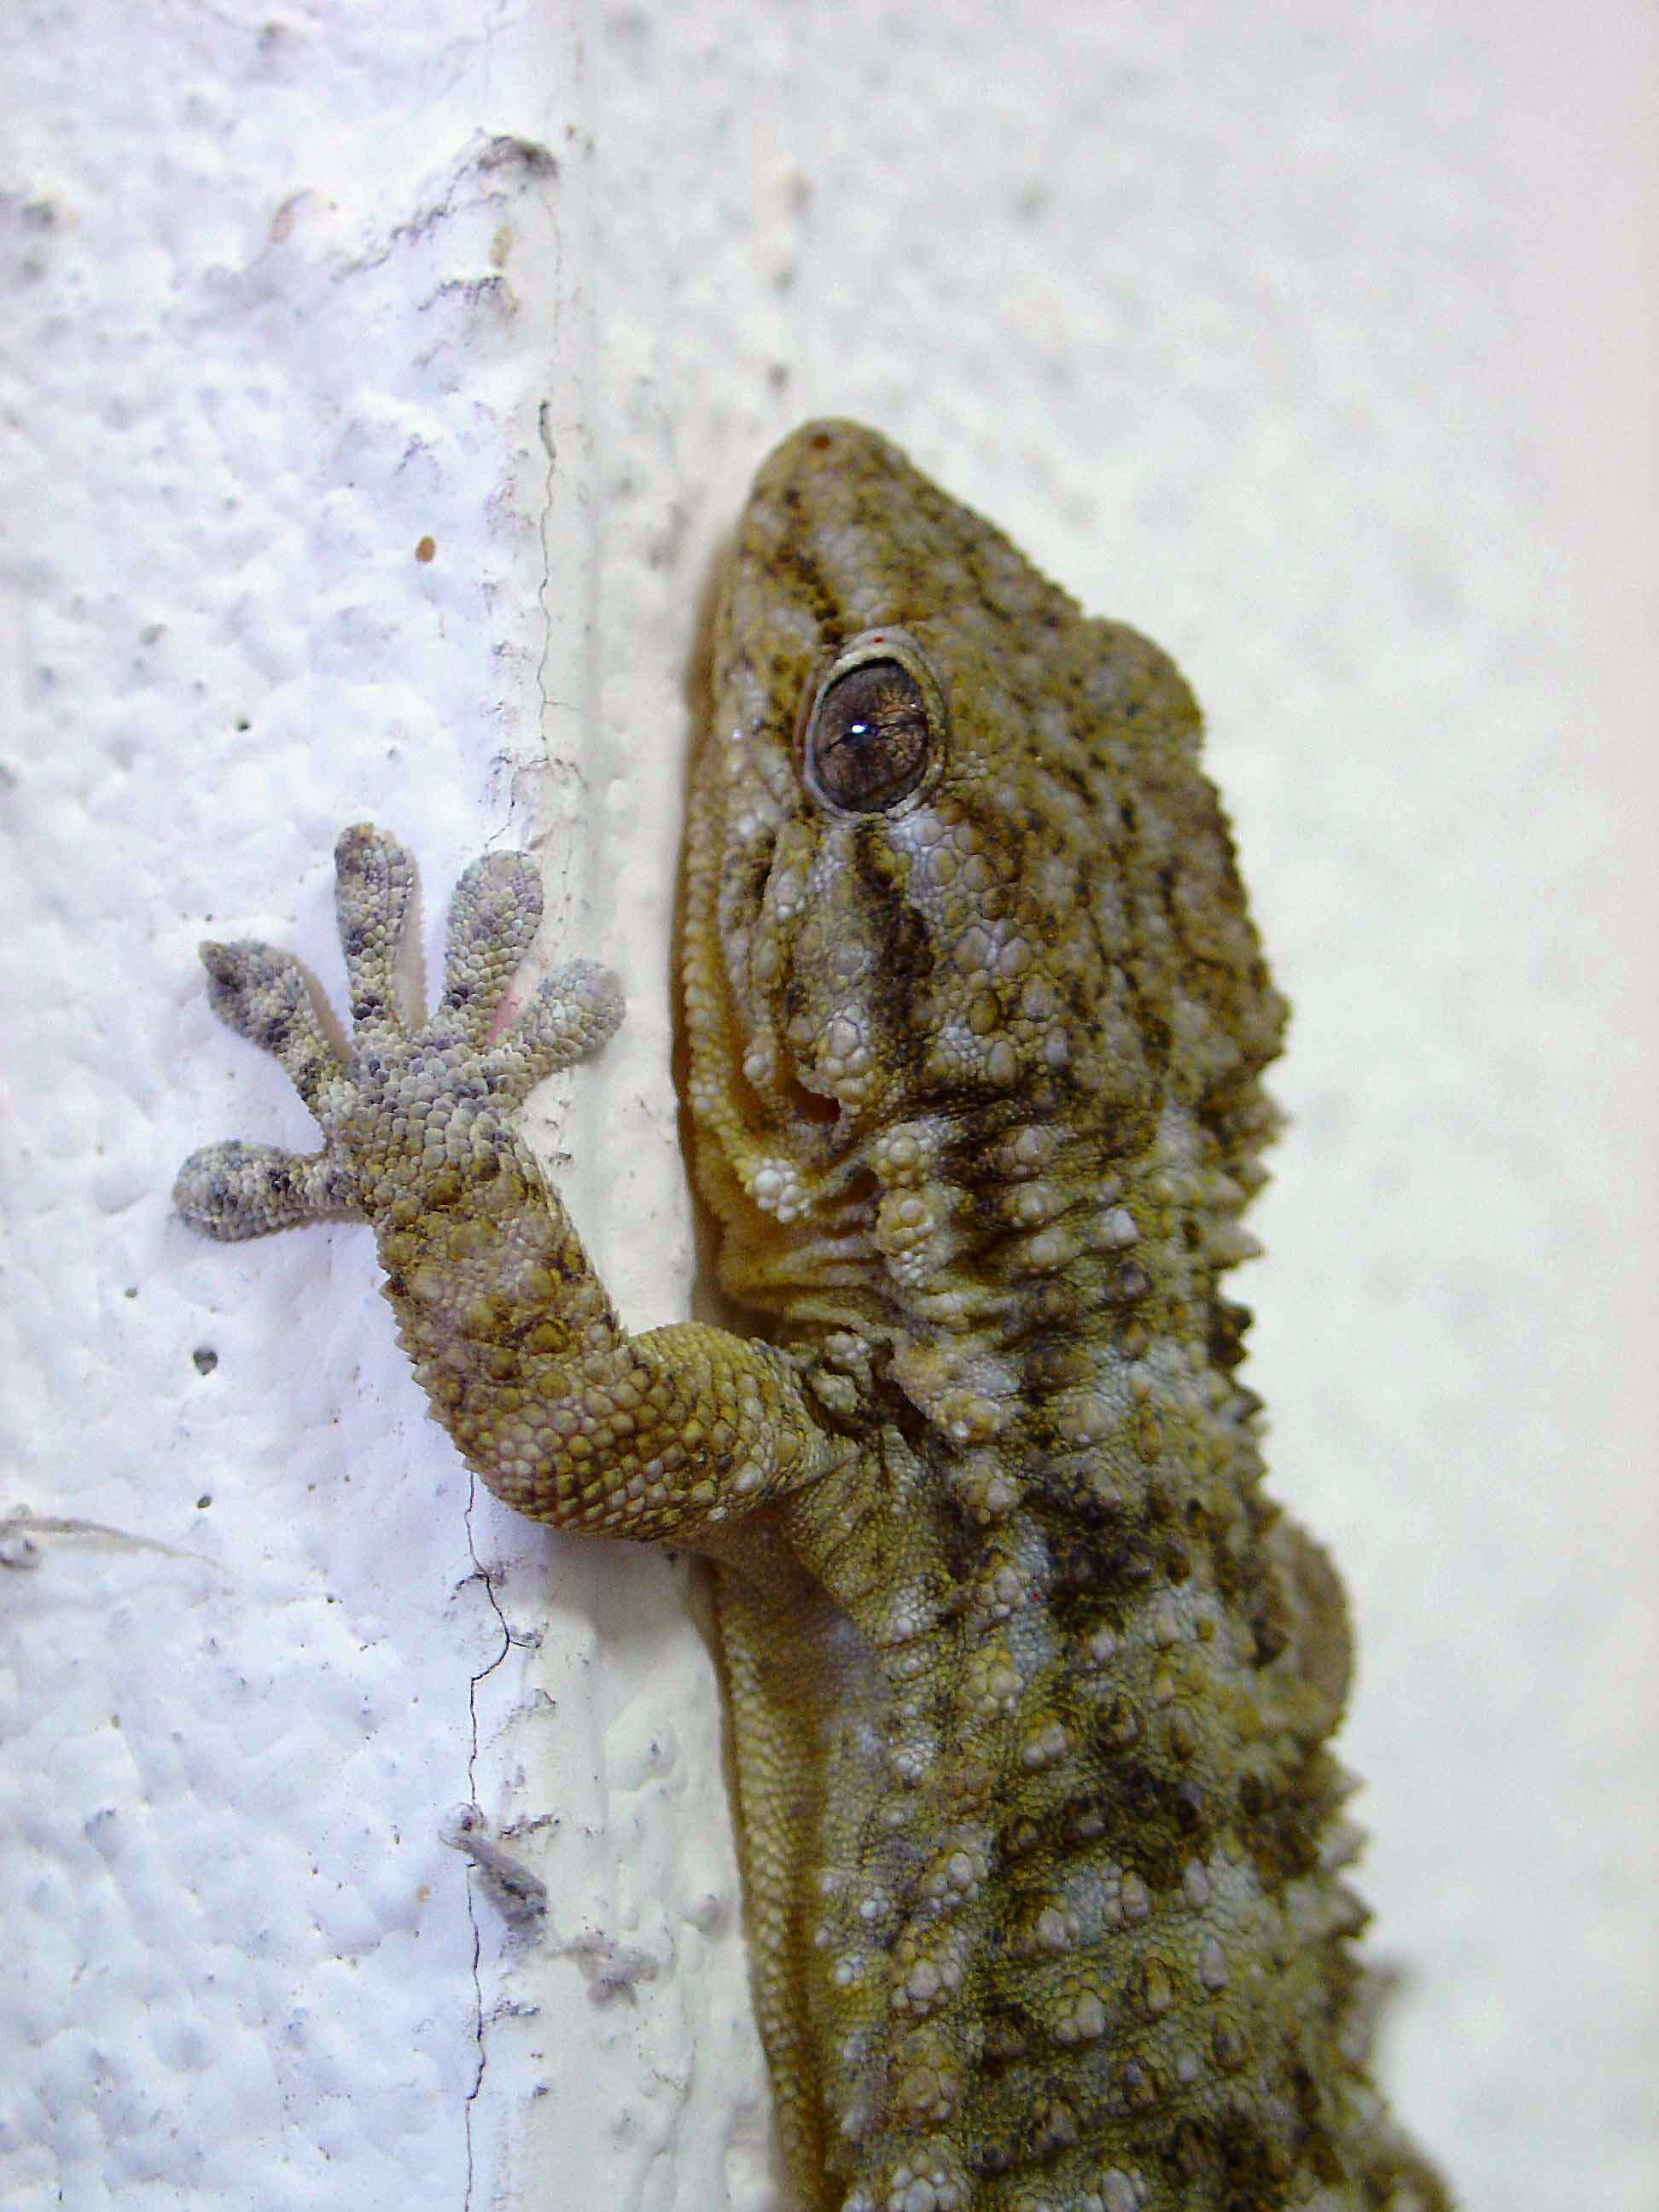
951, 864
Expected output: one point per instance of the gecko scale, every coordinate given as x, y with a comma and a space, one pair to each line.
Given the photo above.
1031, 1686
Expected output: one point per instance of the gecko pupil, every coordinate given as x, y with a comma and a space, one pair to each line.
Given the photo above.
869, 740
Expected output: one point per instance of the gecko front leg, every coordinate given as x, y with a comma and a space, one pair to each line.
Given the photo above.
564, 1415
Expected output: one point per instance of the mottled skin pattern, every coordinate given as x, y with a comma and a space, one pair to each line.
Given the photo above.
1031, 1685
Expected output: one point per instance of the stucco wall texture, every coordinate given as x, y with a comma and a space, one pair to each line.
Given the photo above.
379, 382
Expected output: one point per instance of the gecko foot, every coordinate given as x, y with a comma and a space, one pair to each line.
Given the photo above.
405, 1092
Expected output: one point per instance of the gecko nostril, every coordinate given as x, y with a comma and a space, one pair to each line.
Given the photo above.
811, 1105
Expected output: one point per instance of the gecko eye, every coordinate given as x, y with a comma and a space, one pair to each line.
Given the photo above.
875, 725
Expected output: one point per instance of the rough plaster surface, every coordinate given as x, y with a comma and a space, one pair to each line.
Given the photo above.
1312, 344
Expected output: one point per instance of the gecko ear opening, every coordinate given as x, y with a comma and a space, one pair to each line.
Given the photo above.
875, 728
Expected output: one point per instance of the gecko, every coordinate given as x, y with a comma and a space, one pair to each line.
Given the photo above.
1031, 1685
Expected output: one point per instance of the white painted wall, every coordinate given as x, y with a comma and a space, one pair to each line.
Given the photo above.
1319, 344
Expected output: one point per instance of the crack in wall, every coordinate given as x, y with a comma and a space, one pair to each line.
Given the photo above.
482, 1574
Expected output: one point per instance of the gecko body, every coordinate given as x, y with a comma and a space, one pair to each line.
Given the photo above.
1031, 1686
